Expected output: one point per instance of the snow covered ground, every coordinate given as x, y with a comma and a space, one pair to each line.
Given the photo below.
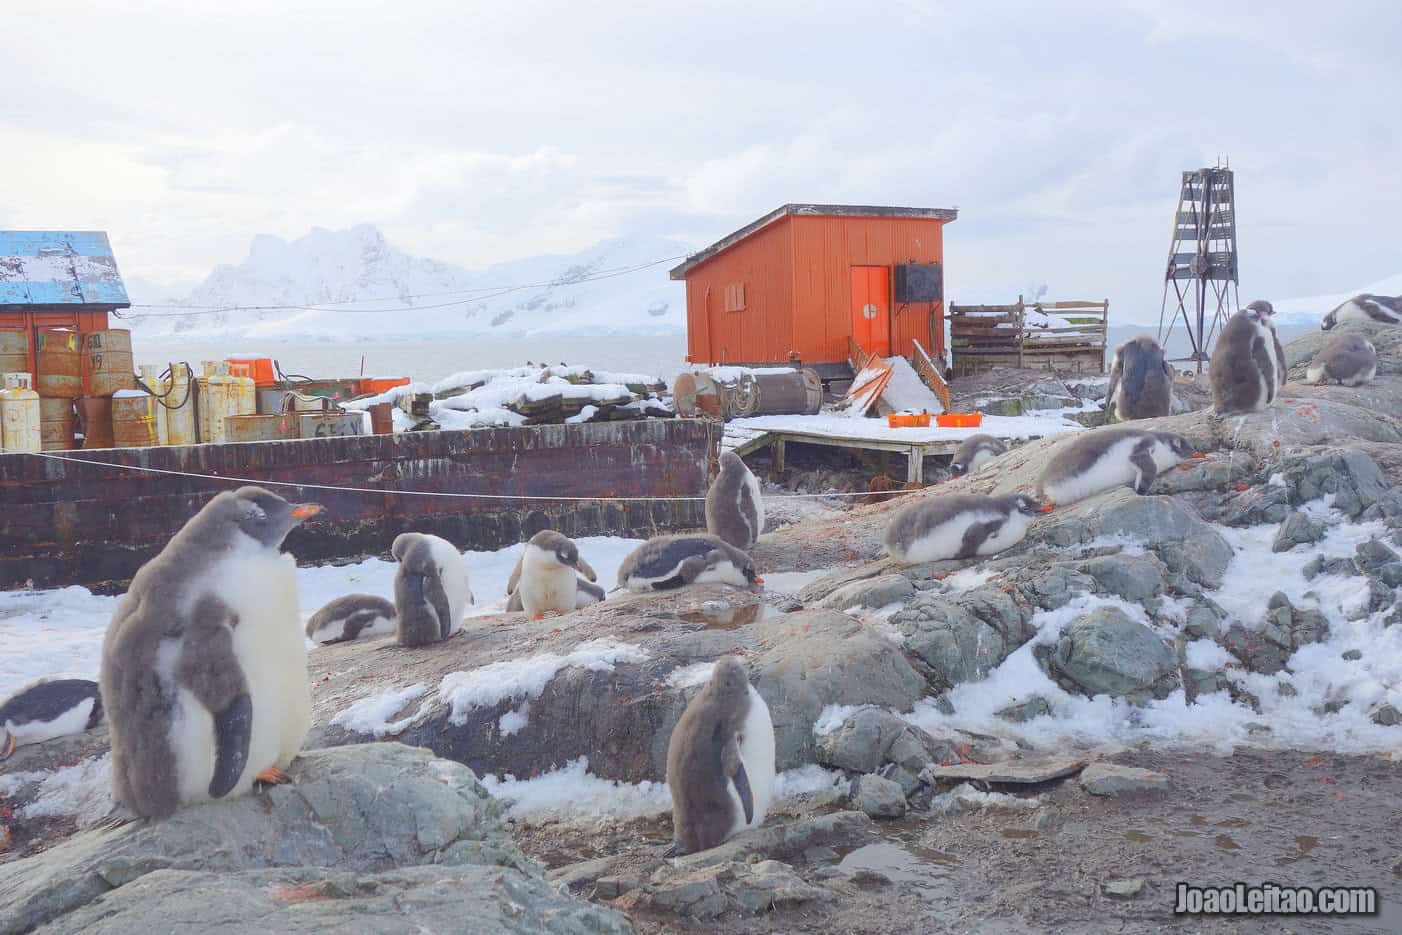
1051, 422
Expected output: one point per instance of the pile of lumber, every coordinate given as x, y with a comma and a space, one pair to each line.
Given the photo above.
541, 395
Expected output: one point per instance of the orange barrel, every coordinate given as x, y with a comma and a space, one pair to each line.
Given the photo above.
134, 414
56, 423
382, 419
95, 416
107, 363
14, 351
59, 359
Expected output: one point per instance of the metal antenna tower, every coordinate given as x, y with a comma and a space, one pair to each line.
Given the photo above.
1202, 261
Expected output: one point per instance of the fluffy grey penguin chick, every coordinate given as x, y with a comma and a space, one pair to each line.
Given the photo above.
48, 708
720, 761
1091, 462
1245, 371
431, 593
204, 666
734, 508
667, 562
1347, 359
551, 577
1266, 312
959, 526
974, 453
1366, 307
354, 616
1141, 381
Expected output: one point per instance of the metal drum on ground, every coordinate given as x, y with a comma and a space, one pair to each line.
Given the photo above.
180, 405
58, 356
107, 363
14, 351
134, 414
151, 376
56, 423
95, 419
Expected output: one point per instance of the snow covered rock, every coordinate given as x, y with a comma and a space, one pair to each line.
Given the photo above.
878, 797
334, 816
1285, 629
871, 738
1105, 652
1350, 475
1298, 529
872, 593
1028, 710
1132, 577
963, 637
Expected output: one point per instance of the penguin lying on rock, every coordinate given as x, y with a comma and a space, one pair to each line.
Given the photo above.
46, 709
204, 666
355, 616
431, 592
550, 577
974, 453
1091, 462
1347, 359
959, 526
734, 509
1141, 382
666, 562
720, 762
1376, 308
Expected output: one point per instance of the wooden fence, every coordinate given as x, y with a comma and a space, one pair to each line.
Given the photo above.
983, 337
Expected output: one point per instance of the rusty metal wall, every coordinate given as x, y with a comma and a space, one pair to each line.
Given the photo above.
66, 523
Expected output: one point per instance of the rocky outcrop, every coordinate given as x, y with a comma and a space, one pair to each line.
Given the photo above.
1286, 628
961, 637
1106, 652
332, 836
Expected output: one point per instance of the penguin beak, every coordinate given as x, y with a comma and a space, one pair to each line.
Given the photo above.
303, 511
1197, 454
7, 748
1046, 507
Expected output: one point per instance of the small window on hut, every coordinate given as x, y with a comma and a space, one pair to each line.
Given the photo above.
735, 297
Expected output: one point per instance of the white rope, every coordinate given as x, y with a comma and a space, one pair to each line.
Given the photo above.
428, 493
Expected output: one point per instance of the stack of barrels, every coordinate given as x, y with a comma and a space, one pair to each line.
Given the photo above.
19, 416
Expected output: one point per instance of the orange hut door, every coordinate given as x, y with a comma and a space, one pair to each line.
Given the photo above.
871, 309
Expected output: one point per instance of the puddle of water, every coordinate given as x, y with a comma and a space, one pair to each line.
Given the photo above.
1225, 842
921, 867
1138, 837
730, 618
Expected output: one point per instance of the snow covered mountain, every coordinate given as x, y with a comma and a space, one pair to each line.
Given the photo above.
352, 284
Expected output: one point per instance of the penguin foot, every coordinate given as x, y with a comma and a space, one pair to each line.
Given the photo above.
1046, 507
541, 615
272, 776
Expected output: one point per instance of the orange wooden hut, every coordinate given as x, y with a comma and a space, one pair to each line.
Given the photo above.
801, 281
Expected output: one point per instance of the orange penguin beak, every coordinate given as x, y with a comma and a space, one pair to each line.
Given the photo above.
1046, 507
306, 510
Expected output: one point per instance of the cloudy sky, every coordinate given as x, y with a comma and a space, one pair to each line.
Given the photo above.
480, 132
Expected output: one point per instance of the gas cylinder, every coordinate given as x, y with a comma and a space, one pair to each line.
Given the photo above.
19, 415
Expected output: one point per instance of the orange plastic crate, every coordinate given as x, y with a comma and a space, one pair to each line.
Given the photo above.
908, 420
959, 420
259, 368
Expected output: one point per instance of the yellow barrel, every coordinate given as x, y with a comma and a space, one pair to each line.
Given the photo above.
180, 406
56, 424
14, 351
59, 359
151, 376
19, 415
107, 364
134, 419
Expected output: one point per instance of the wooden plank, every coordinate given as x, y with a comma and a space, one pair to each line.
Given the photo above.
869, 444
925, 368
1072, 304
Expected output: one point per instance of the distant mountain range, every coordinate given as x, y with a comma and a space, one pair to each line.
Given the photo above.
352, 283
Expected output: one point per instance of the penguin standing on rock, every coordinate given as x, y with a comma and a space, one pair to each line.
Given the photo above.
1092, 462
1347, 359
1140, 381
1247, 367
1375, 308
47, 709
666, 562
204, 666
961, 526
1267, 313
720, 762
734, 510
974, 453
550, 577
355, 616
431, 593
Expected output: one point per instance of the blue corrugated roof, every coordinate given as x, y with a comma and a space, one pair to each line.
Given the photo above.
59, 268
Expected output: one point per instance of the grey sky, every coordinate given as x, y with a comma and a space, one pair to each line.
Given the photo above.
476, 133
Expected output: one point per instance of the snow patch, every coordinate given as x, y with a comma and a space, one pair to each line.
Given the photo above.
698, 673
527, 677
513, 721
371, 715
82, 791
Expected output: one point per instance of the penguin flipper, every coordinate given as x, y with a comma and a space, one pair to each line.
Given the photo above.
438, 599
515, 575
1261, 358
586, 569
233, 727
1148, 470
210, 670
514, 603
1115, 373
976, 535
735, 769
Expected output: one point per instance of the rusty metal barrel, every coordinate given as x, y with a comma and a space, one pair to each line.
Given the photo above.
134, 414
58, 357
95, 417
14, 351
268, 427
736, 392
56, 423
107, 362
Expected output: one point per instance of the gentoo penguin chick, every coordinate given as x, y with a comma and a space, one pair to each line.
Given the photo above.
355, 616
1347, 359
546, 578
720, 761
431, 593
204, 667
1140, 381
959, 526
1244, 368
47, 709
734, 510
586, 592
666, 562
1091, 462
1376, 308
1267, 313
974, 453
